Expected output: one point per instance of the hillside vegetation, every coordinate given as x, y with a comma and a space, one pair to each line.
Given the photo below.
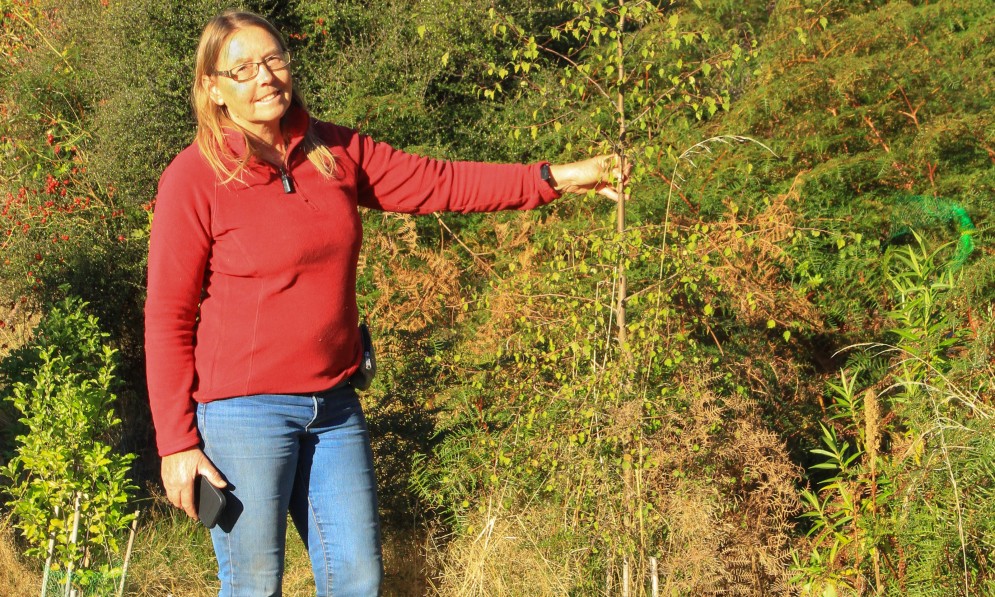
767, 373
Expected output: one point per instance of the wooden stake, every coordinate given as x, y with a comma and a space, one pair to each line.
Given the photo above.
625, 577
48, 559
654, 578
127, 552
72, 541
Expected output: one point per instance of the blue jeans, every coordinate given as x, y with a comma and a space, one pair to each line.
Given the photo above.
306, 454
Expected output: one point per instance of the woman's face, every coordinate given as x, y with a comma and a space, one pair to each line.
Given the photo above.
258, 103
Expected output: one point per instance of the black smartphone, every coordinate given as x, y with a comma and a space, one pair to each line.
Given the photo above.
210, 502
363, 376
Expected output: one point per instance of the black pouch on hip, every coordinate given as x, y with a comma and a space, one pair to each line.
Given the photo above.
363, 376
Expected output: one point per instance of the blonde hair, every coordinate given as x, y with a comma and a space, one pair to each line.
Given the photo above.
212, 118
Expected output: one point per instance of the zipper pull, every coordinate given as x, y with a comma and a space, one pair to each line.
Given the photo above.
288, 185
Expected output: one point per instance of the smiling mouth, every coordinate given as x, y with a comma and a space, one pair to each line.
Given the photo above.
269, 98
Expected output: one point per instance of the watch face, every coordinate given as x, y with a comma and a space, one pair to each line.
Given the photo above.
544, 172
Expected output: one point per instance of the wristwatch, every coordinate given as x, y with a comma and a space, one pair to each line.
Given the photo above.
547, 175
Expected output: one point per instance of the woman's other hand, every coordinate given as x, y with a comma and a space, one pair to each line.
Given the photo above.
600, 174
180, 471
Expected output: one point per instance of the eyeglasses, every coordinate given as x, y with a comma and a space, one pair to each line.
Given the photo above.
249, 70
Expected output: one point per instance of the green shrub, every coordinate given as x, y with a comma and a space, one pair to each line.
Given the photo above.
906, 491
67, 485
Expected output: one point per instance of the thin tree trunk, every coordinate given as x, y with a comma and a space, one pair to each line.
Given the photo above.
620, 208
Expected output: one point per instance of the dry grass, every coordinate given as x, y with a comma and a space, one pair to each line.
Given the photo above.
506, 557
404, 564
16, 577
172, 556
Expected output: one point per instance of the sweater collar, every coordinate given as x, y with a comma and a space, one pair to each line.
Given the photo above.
294, 123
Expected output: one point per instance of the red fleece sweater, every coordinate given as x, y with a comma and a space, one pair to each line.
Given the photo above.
252, 290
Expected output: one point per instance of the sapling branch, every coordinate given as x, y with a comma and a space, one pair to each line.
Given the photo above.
577, 68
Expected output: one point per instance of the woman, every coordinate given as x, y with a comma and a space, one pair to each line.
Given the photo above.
251, 334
